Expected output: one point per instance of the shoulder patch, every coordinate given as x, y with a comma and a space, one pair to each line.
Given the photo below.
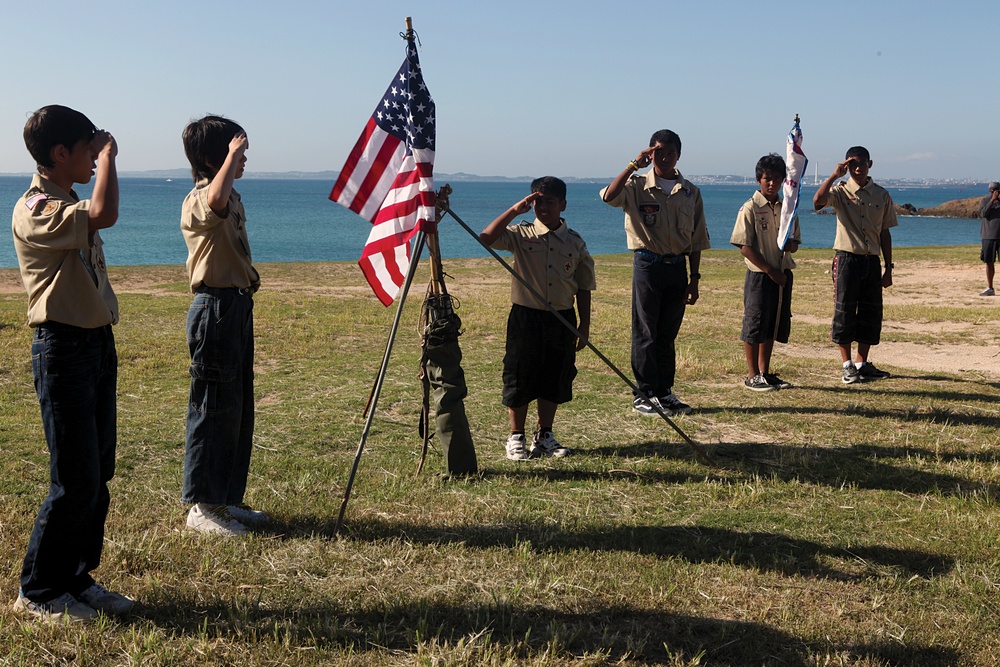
33, 201
50, 208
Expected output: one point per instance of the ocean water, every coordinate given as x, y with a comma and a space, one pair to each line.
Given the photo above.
292, 220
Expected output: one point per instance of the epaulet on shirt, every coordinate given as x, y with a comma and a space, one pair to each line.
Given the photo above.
573, 232
524, 223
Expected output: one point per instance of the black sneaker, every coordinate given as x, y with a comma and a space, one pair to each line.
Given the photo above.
851, 374
673, 406
868, 371
758, 383
777, 382
644, 407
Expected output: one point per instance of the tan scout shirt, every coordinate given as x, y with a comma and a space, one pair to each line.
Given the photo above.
757, 226
554, 262
218, 248
665, 223
62, 263
862, 214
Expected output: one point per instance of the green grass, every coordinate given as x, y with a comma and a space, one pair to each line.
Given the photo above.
842, 526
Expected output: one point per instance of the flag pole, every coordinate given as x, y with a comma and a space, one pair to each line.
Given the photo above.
373, 401
699, 451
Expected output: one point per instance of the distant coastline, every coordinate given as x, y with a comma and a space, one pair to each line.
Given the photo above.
462, 177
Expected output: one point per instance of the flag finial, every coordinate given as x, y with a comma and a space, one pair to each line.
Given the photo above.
796, 115
408, 35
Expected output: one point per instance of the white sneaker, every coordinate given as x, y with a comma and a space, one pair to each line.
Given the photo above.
101, 599
545, 444
205, 518
248, 515
61, 609
516, 450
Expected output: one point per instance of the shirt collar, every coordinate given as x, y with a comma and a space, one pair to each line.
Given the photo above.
541, 229
48, 187
651, 182
853, 188
760, 201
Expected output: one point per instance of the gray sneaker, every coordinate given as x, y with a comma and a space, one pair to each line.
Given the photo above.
545, 444
516, 451
101, 599
987, 292
248, 516
62, 609
215, 519
851, 374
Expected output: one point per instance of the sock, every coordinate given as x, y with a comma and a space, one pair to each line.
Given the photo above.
848, 364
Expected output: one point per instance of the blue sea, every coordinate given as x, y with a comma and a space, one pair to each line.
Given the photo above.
291, 220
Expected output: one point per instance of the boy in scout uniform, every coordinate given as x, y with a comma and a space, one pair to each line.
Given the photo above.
767, 289
665, 228
540, 359
220, 416
865, 213
71, 307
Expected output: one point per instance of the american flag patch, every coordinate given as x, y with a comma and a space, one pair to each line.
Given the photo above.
32, 201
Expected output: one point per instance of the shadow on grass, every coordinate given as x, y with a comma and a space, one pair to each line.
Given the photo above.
863, 466
930, 415
499, 632
694, 544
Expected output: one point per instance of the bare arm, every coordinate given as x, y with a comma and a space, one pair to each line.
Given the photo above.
822, 195
644, 159
583, 307
758, 260
885, 241
104, 200
222, 183
495, 228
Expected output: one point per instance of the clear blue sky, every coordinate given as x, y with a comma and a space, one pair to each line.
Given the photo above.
523, 88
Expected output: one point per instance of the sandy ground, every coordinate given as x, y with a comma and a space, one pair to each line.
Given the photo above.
934, 285
925, 283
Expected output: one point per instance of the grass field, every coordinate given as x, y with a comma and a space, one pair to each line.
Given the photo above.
842, 525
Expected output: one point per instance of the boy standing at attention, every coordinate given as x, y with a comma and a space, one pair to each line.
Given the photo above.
665, 227
220, 415
767, 289
865, 213
540, 359
71, 307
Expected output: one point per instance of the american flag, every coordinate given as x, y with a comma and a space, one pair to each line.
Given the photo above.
388, 178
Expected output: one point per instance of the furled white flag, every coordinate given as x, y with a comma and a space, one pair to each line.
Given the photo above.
795, 161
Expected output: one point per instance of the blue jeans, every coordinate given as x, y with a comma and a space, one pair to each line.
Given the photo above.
659, 290
220, 412
76, 374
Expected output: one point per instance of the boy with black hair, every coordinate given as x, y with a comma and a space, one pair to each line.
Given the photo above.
665, 228
540, 359
72, 308
220, 416
767, 289
865, 213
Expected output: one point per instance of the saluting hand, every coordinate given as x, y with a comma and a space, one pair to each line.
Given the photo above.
842, 168
103, 142
645, 157
524, 205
